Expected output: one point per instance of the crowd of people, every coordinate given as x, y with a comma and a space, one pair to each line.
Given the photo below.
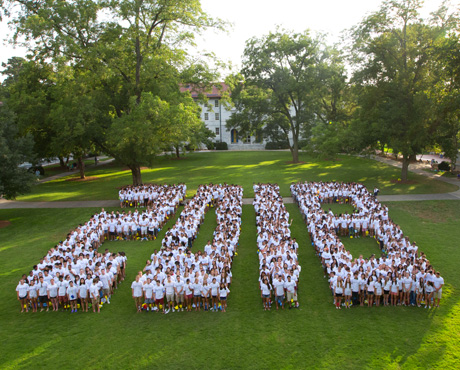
176, 279
401, 275
279, 268
150, 195
75, 275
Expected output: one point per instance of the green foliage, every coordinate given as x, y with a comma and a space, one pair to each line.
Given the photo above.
14, 150
280, 87
444, 166
221, 145
275, 145
393, 52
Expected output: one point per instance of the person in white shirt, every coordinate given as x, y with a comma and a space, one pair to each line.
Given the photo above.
137, 293
223, 293
52, 290
94, 295
72, 294
266, 293
22, 291
169, 289
290, 288
438, 283
179, 292
148, 293
278, 285
32, 296
83, 295
159, 292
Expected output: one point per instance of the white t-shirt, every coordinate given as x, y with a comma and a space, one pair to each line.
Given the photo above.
137, 288
279, 287
159, 291
22, 289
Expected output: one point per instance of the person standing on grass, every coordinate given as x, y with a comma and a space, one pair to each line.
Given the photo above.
42, 288
266, 293
83, 295
179, 291
22, 291
72, 293
188, 295
438, 283
223, 293
137, 293
148, 287
32, 295
290, 288
94, 295
429, 289
279, 292
419, 290
196, 286
159, 292
407, 284
52, 290
169, 288
338, 290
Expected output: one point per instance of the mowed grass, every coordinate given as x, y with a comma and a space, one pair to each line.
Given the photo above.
314, 336
243, 168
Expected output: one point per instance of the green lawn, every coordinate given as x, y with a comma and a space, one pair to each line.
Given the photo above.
314, 336
243, 168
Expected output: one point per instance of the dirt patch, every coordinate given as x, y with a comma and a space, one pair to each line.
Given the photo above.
87, 178
4, 223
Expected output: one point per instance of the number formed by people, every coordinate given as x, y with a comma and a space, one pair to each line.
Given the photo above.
175, 278
75, 274
399, 276
278, 265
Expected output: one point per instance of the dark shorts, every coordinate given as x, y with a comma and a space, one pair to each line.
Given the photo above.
266, 295
338, 294
386, 292
223, 298
280, 297
43, 299
23, 297
370, 293
159, 301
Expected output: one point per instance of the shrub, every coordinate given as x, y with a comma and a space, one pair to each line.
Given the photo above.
273, 145
209, 145
444, 166
221, 146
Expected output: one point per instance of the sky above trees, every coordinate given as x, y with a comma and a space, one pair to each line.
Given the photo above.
258, 17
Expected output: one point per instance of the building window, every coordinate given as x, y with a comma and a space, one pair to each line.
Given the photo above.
217, 131
247, 140
216, 103
217, 116
206, 116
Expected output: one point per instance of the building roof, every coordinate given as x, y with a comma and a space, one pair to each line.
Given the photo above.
213, 92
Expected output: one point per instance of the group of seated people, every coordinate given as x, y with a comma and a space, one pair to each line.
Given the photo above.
148, 195
175, 278
278, 265
400, 276
73, 273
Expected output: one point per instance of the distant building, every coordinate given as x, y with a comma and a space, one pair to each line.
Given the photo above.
215, 117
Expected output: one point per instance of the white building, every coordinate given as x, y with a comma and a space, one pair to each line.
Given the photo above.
215, 116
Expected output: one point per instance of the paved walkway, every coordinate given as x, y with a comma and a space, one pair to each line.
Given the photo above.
416, 168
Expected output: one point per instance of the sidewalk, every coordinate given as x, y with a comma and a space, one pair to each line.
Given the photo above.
415, 167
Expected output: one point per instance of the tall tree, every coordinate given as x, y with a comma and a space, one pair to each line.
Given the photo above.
131, 47
14, 150
392, 53
447, 97
282, 80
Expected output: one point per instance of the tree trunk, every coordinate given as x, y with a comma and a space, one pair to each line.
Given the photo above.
405, 167
177, 151
136, 172
295, 150
81, 167
61, 161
